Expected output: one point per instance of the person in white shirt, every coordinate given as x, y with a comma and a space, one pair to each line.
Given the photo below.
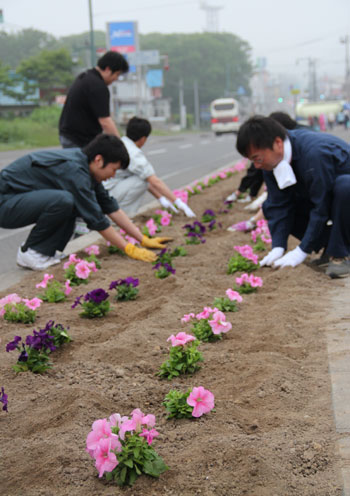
128, 186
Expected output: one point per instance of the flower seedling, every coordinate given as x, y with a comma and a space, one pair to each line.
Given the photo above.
94, 305
78, 270
210, 325
248, 283
228, 303
126, 288
16, 309
122, 447
34, 353
244, 260
194, 234
183, 356
194, 403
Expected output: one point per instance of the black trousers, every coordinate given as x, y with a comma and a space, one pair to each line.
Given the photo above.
52, 211
253, 181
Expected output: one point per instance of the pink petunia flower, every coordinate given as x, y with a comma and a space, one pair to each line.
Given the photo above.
187, 317
243, 279
106, 460
82, 270
233, 295
116, 420
92, 250
68, 289
207, 311
182, 194
165, 221
152, 227
255, 281
202, 401
92, 266
131, 240
149, 435
218, 324
101, 429
43, 283
136, 422
32, 304
73, 259
180, 339
239, 166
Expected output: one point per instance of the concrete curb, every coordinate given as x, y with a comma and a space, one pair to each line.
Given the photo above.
338, 345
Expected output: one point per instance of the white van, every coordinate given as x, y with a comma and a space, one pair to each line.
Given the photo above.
224, 116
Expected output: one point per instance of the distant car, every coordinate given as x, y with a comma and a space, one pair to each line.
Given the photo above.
224, 116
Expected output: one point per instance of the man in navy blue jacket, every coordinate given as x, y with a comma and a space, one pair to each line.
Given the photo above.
308, 181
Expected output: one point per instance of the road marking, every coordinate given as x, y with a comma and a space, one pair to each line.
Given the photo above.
188, 145
157, 152
204, 142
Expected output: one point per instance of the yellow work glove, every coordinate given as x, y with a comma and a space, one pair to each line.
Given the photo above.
154, 242
140, 253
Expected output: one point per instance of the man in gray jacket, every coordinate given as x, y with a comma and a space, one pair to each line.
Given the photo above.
51, 188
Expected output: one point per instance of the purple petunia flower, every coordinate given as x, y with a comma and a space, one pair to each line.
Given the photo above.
210, 212
23, 357
131, 281
13, 345
96, 295
128, 280
77, 301
3, 399
41, 340
169, 268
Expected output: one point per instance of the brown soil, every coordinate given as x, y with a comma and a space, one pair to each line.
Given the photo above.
272, 433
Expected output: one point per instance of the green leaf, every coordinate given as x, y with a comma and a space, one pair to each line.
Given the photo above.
129, 463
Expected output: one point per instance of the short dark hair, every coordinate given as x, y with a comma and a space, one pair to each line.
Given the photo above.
138, 128
260, 132
114, 60
110, 147
284, 119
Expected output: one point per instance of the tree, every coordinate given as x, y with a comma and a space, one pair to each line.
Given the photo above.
49, 71
23, 44
220, 62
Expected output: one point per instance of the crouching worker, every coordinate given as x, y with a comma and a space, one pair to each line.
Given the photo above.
129, 185
307, 175
51, 188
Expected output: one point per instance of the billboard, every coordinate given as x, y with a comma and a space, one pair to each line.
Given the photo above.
122, 37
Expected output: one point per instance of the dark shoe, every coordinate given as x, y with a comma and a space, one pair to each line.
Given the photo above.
338, 267
320, 262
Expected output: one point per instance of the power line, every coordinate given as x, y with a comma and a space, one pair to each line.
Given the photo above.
155, 6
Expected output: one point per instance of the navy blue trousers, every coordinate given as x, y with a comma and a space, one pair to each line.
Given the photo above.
335, 238
51, 210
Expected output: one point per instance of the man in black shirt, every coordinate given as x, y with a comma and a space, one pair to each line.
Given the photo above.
86, 111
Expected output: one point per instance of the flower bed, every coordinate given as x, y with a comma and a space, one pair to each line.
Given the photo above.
268, 374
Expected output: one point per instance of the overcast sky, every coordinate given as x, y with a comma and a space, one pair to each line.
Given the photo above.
280, 30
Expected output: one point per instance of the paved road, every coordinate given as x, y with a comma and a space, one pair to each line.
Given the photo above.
178, 160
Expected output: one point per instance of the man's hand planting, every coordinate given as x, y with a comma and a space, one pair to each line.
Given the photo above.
140, 253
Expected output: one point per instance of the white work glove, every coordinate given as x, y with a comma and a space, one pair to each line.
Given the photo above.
167, 204
291, 259
232, 197
273, 255
185, 208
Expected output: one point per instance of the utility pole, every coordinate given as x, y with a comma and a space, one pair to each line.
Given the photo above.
92, 41
345, 40
312, 80
196, 104
182, 108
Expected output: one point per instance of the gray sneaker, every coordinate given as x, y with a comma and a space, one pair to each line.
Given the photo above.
321, 261
338, 267
34, 260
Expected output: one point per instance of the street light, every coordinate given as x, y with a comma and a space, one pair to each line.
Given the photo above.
92, 41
